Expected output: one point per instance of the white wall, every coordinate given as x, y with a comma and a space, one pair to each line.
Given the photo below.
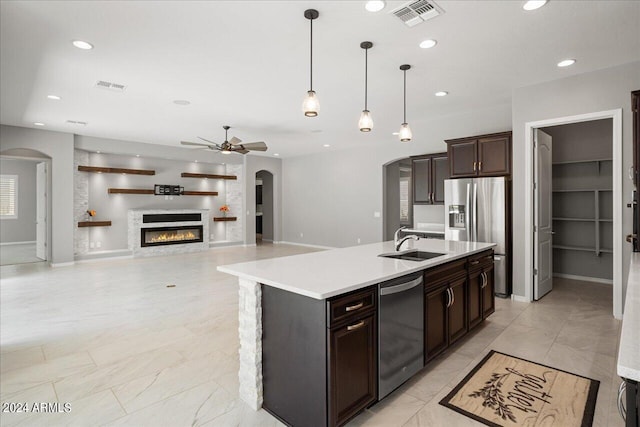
22, 228
59, 148
601, 90
331, 197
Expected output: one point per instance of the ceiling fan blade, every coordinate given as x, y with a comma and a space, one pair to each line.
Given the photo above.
194, 143
241, 151
210, 142
255, 146
235, 141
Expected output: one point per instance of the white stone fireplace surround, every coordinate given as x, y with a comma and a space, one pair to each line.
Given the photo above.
135, 224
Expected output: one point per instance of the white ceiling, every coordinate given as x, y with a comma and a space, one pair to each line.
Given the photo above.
246, 64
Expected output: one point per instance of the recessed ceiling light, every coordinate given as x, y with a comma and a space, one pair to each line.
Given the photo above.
534, 4
98, 151
82, 45
442, 93
396, 133
54, 97
327, 145
38, 124
181, 102
195, 161
137, 155
374, 5
566, 62
428, 44
276, 154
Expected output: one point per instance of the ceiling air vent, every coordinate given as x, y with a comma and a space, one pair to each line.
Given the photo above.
416, 12
74, 122
116, 87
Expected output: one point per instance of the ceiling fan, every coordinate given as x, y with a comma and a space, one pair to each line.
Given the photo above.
233, 146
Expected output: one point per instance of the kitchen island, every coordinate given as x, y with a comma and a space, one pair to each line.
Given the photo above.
321, 321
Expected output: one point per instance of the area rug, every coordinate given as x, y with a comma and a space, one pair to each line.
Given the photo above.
504, 390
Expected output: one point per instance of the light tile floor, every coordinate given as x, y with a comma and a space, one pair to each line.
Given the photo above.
123, 349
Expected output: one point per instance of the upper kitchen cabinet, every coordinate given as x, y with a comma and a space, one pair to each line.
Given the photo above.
429, 172
484, 155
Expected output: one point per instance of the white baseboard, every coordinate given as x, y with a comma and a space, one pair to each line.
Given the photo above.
305, 244
105, 255
519, 298
223, 244
583, 278
62, 264
30, 242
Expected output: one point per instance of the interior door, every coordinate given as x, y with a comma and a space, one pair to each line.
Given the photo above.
41, 210
543, 232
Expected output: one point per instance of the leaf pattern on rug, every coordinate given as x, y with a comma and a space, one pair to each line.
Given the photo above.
493, 397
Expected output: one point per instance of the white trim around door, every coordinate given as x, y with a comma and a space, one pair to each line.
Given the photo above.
616, 116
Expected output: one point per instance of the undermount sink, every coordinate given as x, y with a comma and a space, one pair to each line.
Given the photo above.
412, 255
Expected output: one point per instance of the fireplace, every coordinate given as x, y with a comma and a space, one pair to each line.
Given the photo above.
158, 236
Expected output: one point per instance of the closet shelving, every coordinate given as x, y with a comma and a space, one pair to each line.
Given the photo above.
582, 206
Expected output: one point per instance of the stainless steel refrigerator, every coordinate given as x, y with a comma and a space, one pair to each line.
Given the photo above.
478, 210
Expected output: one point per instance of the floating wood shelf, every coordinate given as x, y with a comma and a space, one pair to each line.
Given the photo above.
206, 175
130, 191
225, 218
199, 193
99, 169
152, 192
94, 224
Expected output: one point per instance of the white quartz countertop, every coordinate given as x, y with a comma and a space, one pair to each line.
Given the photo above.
629, 351
325, 274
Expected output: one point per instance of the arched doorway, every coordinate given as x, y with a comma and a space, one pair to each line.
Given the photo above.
264, 207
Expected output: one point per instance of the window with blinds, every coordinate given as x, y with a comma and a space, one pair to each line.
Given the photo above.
8, 196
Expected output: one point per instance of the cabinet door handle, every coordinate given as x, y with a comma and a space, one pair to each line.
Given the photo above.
474, 166
621, 397
448, 298
355, 326
453, 296
479, 166
485, 280
354, 307
431, 197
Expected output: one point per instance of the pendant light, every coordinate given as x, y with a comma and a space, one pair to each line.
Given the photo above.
366, 122
310, 104
405, 131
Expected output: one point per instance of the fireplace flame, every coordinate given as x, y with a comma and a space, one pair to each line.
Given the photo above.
173, 236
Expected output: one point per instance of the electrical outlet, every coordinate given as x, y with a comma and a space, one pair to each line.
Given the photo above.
358, 240
92, 245
98, 244
301, 234
376, 214
166, 197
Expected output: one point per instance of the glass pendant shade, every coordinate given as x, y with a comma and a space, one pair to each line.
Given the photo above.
310, 105
366, 122
405, 134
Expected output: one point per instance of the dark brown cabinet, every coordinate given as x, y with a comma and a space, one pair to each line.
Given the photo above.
474, 309
481, 288
485, 155
445, 305
352, 369
428, 174
488, 292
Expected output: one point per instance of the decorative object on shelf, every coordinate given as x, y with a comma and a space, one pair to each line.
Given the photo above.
405, 134
91, 214
167, 190
206, 175
224, 209
100, 169
366, 122
228, 147
310, 104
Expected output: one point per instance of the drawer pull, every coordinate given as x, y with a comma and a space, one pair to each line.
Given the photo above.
489, 257
354, 307
475, 262
355, 326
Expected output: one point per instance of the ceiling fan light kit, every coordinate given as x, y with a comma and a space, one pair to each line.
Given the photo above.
228, 147
405, 131
310, 104
366, 122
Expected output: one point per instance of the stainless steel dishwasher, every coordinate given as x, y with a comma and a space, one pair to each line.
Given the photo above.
400, 331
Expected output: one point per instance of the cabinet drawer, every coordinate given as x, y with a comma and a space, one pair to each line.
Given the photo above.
481, 260
351, 305
436, 275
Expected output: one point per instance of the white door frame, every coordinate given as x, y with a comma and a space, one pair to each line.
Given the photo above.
616, 116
